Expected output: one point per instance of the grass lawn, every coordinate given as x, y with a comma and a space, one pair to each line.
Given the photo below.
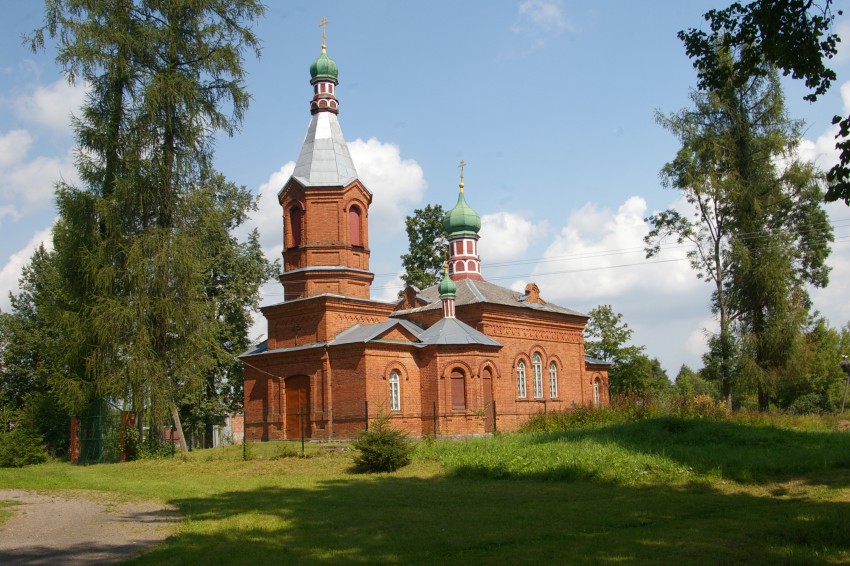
663, 491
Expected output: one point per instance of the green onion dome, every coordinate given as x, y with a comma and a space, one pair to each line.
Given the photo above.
461, 219
324, 68
447, 286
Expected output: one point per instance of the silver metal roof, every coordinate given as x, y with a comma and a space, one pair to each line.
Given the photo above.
470, 291
368, 332
453, 331
324, 160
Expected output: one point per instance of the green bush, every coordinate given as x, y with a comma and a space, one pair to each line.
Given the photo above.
810, 404
130, 443
21, 446
382, 448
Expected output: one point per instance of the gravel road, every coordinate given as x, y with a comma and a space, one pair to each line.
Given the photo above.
80, 527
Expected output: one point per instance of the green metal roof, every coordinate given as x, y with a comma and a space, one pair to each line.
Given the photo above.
461, 219
324, 68
447, 287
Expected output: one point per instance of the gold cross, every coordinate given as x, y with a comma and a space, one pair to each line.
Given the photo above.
462, 165
323, 25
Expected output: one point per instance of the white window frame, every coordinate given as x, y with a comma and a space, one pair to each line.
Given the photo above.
537, 370
395, 391
553, 380
520, 379
596, 392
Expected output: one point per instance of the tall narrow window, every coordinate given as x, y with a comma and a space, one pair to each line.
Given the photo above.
520, 379
354, 226
537, 368
395, 391
596, 392
295, 218
458, 391
553, 381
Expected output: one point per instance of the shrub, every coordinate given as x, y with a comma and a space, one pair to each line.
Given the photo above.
382, 448
129, 444
810, 404
21, 446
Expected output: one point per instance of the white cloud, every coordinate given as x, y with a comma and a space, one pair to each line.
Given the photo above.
697, 341
822, 150
388, 291
506, 236
52, 105
545, 15
395, 183
14, 145
843, 31
269, 218
599, 254
11, 272
833, 301
31, 182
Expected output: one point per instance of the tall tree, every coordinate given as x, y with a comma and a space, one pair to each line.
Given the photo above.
165, 75
795, 36
423, 262
758, 230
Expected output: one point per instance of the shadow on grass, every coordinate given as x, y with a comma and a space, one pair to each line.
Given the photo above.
742, 453
396, 520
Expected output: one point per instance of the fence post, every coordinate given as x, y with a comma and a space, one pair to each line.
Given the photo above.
366, 408
435, 419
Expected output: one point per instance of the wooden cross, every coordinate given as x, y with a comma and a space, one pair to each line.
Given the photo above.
462, 165
323, 25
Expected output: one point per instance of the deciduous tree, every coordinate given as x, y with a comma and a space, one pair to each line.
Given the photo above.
423, 262
795, 36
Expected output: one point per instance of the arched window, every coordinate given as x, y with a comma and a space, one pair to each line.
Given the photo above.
395, 391
520, 379
295, 218
553, 380
458, 391
470, 265
537, 368
354, 226
596, 392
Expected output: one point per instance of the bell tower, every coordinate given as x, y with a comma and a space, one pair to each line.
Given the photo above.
325, 206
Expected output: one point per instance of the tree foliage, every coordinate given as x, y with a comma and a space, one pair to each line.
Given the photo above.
795, 36
606, 336
758, 231
606, 339
423, 262
143, 250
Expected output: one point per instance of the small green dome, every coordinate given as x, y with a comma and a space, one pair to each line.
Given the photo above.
324, 68
461, 219
447, 286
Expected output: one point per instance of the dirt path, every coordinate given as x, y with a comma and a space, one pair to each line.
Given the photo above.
80, 528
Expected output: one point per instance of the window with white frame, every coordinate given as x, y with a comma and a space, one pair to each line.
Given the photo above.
596, 392
520, 379
537, 368
395, 391
553, 380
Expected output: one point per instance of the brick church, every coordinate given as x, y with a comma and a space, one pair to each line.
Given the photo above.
462, 357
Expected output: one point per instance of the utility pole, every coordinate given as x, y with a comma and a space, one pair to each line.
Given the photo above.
845, 365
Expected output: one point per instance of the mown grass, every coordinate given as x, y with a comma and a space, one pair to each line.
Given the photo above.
660, 491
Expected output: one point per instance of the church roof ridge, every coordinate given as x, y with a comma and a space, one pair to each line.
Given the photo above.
479, 291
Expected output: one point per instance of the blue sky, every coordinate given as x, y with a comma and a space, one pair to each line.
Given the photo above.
551, 103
